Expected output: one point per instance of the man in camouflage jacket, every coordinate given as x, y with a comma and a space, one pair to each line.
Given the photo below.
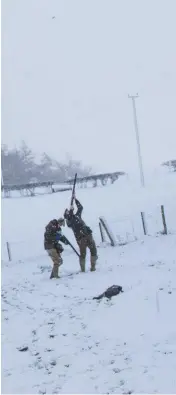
52, 236
83, 235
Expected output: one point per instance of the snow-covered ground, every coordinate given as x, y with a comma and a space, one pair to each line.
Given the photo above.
77, 344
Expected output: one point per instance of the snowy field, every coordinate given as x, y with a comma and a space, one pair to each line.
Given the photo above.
76, 344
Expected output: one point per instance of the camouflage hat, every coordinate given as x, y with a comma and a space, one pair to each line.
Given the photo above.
66, 213
61, 221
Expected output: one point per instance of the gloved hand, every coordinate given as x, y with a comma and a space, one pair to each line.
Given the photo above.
58, 236
59, 248
64, 240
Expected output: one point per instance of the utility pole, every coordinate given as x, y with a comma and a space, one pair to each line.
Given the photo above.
133, 97
2, 178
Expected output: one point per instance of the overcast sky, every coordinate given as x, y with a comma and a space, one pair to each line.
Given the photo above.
65, 80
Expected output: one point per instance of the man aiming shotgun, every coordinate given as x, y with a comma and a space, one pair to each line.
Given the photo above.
82, 232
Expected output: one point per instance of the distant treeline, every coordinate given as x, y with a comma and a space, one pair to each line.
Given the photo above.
171, 164
19, 167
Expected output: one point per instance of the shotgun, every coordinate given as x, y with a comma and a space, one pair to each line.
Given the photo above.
73, 191
73, 248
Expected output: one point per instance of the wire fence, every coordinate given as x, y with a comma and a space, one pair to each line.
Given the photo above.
33, 247
125, 229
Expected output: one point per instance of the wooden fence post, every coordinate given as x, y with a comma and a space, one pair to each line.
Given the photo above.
8, 251
101, 232
143, 222
108, 231
164, 220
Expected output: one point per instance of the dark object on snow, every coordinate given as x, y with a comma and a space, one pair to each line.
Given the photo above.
111, 291
23, 349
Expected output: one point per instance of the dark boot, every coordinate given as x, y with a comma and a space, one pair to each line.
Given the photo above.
54, 273
93, 263
82, 264
60, 262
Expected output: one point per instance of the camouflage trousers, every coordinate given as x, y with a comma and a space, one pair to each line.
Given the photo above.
57, 261
84, 243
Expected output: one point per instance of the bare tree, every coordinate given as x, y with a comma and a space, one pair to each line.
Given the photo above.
19, 167
171, 164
